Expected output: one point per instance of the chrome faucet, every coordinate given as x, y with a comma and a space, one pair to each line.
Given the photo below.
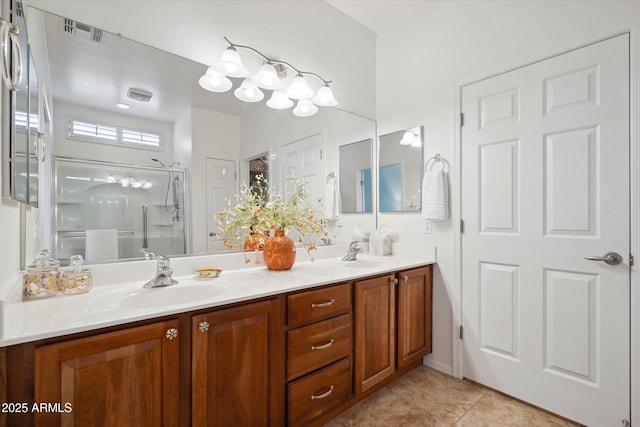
163, 274
352, 252
147, 253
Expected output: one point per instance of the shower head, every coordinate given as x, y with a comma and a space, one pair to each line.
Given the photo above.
158, 161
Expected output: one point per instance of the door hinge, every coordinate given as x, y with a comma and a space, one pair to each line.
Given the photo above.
461, 332
630, 260
461, 226
461, 119
320, 154
626, 423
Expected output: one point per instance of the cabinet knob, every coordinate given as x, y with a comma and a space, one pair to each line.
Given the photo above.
171, 333
323, 395
323, 304
405, 278
203, 326
395, 281
322, 346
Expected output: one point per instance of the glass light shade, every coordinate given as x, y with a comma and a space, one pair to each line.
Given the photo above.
267, 77
299, 88
305, 108
248, 92
408, 138
230, 63
215, 81
279, 100
324, 97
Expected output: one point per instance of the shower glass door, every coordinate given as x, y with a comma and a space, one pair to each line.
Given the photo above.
143, 206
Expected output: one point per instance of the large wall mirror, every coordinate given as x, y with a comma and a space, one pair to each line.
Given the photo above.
355, 177
91, 71
400, 171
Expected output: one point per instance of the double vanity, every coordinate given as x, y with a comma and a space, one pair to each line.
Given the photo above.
251, 347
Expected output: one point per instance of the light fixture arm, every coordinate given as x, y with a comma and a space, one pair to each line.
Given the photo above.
275, 61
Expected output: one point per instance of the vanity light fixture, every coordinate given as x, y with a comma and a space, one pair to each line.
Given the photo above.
408, 138
305, 108
270, 76
215, 81
412, 138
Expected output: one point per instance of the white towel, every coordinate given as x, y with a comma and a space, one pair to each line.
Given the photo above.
435, 196
331, 208
101, 245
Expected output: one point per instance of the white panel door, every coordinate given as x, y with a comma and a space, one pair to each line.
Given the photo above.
221, 185
303, 160
545, 183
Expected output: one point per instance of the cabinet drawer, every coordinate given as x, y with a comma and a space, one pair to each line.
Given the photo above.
318, 304
315, 395
313, 346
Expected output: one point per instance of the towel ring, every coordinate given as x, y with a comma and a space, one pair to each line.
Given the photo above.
435, 159
331, 176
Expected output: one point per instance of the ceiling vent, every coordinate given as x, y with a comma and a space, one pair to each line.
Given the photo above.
139, 94
81, 30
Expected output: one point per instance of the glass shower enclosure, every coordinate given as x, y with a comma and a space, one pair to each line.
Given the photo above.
107, 211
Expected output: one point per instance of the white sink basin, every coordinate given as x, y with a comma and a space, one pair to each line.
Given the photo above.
169, 296
369, 263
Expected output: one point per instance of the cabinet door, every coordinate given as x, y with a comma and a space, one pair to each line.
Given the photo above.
236, 370
123, 378
374, 331
414, 315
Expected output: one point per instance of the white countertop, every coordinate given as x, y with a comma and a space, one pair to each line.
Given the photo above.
116, 302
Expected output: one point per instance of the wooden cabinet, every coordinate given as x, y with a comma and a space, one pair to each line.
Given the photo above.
123, 378
374, 317
414, 315
315, 395
236, 366
309, 306
318, 353
294, 359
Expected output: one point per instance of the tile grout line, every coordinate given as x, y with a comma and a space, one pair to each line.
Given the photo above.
484, 392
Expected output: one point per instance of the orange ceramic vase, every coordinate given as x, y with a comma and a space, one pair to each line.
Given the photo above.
279, 252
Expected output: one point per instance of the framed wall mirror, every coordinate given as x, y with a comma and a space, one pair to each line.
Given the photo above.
355, 177
400, 171
21, 124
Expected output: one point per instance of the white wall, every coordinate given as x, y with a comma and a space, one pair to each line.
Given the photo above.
453, 42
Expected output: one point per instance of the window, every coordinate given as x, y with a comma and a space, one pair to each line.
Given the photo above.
94, 132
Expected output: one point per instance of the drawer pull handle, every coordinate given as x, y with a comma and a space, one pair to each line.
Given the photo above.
323, 346
322, 304
323, 395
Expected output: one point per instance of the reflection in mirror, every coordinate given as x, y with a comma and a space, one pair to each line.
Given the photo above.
92, 70
110, 211
400, 171
20, 125
259, 166
355, 177
34, 127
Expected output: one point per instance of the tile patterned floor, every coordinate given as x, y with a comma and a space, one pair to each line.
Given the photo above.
427, 398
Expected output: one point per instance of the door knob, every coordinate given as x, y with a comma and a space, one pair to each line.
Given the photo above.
610, 258
212, 234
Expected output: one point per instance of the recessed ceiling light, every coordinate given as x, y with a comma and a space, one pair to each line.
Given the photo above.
123, 106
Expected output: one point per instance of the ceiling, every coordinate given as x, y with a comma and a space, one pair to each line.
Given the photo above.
379, 15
